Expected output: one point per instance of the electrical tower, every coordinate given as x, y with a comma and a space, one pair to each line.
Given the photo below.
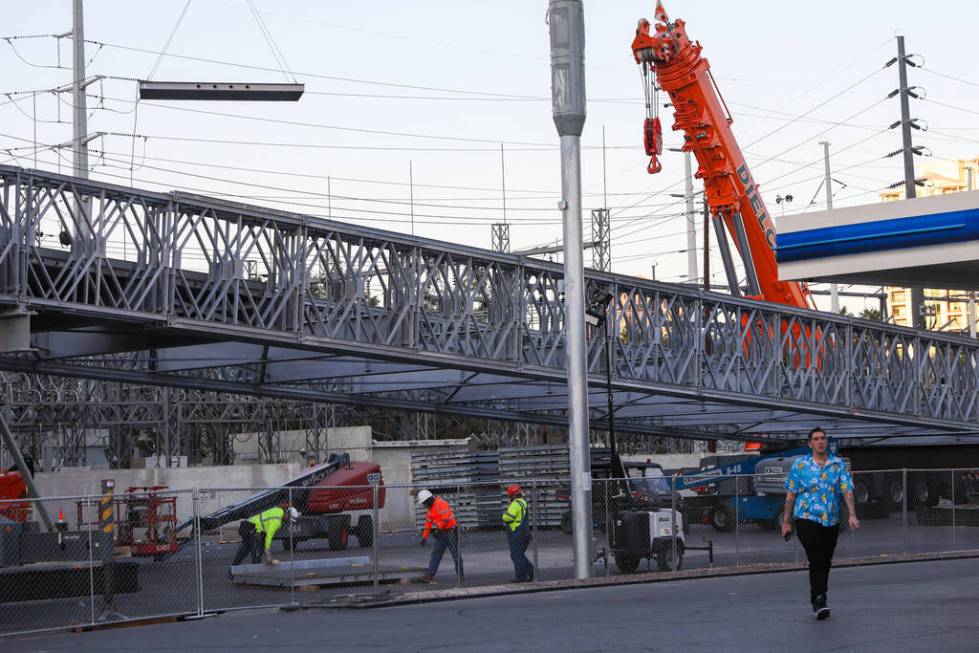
501, 237
601, 237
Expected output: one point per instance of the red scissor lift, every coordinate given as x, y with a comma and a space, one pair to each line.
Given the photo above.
145, 522
12, 488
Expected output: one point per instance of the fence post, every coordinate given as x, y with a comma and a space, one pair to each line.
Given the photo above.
292, 553
904, 506
91, 559
375, 535
952, 472
737, 520
673, 517
533, 526
608, 528
457, 562
198, 553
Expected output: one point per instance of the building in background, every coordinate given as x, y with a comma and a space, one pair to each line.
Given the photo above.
945, 310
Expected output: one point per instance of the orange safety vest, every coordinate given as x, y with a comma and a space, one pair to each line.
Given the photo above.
439, 516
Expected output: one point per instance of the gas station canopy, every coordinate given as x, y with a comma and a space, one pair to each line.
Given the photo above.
929, 241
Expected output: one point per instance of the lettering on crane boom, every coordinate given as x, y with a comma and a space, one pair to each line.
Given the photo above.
754, 199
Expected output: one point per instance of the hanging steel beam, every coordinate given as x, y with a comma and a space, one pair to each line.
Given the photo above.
220, 91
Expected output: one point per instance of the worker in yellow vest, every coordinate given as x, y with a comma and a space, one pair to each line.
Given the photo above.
260, 530
516, 523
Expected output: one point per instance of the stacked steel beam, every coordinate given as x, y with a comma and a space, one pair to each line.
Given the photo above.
544, 473
468, 480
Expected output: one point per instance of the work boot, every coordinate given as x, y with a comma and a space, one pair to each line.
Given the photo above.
820, 608
426, 579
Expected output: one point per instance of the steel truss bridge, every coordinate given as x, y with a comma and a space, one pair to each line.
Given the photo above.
52, 415
186, 291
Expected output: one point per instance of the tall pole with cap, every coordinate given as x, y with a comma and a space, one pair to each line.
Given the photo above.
567, 30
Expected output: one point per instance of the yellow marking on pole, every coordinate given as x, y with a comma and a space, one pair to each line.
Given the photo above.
107, 514
108, 528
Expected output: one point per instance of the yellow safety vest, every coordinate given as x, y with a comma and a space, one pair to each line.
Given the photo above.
515, 513
268, 522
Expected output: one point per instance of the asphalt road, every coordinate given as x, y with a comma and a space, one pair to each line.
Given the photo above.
170, 586
901, 607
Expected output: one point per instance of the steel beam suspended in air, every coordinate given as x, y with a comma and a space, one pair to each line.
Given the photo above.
221, 91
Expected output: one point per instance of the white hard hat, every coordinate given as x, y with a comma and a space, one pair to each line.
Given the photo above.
293, 513
423, 496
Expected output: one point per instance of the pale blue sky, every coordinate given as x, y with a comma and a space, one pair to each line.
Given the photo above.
767, 57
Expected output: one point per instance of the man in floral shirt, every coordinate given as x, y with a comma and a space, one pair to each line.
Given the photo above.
812, 500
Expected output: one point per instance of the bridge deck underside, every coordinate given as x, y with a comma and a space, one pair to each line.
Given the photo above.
179, 290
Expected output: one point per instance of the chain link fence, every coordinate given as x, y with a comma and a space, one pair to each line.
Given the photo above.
151, 552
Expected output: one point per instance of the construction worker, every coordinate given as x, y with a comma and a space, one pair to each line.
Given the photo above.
441, 524
266, 523
516, 521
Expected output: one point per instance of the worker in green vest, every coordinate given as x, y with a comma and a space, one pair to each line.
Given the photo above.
516, 523
261, 529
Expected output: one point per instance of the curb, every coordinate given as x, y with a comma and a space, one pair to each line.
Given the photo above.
370, 602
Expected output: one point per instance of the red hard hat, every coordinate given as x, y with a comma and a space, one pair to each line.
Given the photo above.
513, 489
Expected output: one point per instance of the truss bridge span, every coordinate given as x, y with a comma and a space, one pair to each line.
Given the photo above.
189, 291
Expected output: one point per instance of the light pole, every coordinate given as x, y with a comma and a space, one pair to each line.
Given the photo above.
567, 31
597, 315
782, 200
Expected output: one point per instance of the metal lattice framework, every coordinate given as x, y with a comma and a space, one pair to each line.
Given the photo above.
601, 238
188, 291
53, 413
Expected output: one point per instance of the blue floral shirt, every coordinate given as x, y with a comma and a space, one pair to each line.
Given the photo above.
817, 489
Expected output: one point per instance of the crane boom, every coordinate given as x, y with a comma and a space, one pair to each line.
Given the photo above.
678, 68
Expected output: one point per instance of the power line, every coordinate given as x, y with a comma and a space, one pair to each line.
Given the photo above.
306, 74
818, 106
359, 130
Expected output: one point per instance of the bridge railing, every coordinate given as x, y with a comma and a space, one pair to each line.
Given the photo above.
176, 259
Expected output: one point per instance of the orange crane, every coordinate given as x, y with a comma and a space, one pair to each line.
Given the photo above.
732, 195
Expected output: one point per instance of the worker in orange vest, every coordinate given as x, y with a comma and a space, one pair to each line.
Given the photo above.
441, 524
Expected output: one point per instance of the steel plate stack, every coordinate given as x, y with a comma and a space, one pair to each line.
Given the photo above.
550, 467
468, 480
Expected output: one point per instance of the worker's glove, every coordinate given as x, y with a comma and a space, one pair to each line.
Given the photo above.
422, 543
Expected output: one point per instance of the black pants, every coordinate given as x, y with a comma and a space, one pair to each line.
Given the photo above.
819, 542
251, 544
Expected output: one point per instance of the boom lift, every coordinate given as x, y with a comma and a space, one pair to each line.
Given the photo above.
672, 63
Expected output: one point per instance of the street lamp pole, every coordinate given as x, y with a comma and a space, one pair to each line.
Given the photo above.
609, 334
567, 31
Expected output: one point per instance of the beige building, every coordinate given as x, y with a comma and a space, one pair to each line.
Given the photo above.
939, 177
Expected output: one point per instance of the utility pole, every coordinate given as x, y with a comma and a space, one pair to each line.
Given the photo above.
834, 289
78, 88
567, 32
691, 226
917, 292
